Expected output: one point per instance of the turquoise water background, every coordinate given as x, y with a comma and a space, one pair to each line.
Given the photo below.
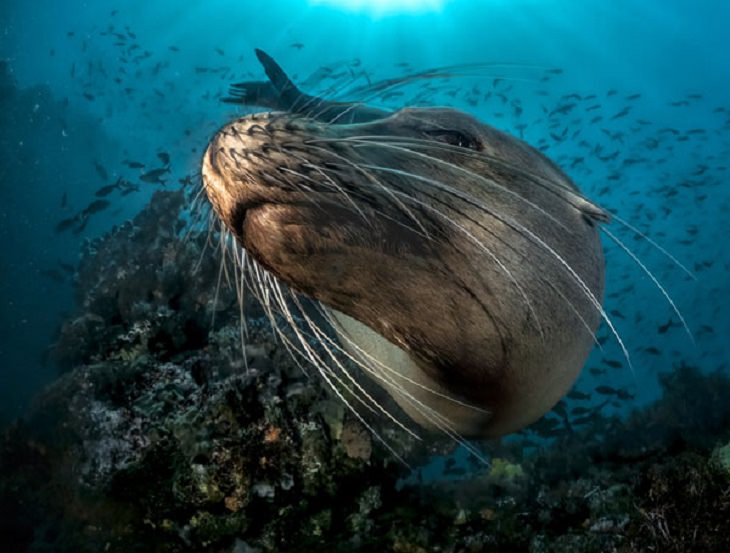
669, 177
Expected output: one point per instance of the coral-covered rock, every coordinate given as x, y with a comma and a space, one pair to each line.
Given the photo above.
162, 436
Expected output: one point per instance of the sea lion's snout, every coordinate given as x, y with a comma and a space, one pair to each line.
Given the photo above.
232, 171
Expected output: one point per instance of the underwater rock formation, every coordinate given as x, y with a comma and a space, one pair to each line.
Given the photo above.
159, 436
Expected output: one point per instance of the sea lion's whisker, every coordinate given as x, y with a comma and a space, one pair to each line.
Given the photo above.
199, 198
456, 71
221, 268
472, 174
576, 200
273, 291
330, 181
636, 231
575, 311
344, 112
379, 212
329, 375
241, 297
471, 237
372, 178
448, 72
259, 275
197, 212
439, 421
395, 373
264, 299
326, 342
525, 231
197, 216
494, 258
228, 249
648, 273
432, 415
212, 220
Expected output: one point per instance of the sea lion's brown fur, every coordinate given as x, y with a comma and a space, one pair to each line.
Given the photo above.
441, 273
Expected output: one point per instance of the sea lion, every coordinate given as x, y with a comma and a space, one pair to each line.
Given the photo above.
461, 267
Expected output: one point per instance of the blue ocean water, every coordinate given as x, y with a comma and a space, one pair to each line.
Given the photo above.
108, 82
631, 98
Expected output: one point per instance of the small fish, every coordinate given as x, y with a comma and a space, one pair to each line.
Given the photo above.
662, 329
164, 157
66, 224
128, 188
101, 171
559, 409
95, 207
613, 364
52, 274
154, 176
297, 45
66, 267
105, 190
133, 164
219, 51
624, 395
575, 394
623, 113
584, 420
606, 390
108, 189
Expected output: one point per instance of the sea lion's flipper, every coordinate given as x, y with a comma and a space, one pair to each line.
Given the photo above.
279, 93
286, 89
283, 95
254, 93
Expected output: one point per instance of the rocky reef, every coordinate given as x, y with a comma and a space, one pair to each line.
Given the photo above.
160, 436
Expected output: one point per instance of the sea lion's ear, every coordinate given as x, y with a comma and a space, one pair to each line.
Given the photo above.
591, 212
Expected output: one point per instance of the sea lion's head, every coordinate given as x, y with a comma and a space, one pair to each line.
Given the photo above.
456, 260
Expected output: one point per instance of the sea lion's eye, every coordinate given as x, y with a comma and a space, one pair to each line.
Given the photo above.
455, 138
